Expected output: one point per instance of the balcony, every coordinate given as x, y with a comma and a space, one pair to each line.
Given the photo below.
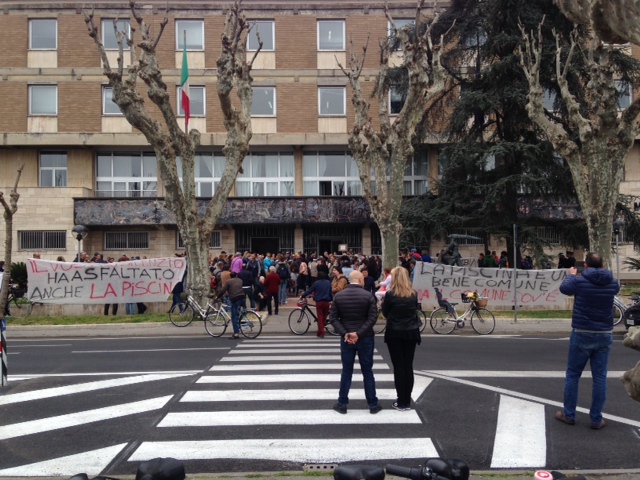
94, 212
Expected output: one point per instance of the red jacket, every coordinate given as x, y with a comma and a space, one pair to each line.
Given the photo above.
272, 283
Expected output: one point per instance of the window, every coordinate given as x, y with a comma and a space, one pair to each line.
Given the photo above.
195, 34
267, 175
332, 101
623, 94
43, 34
330, 174
264, 102
216, 240
331, 35
126, 175
208, 171
196, 101
126, 240
470, 232
397, 97
42, 239
394, 41
443, 164
416, 174
108, 105
53, 169
549, 234
265, 29
43, 100
109, 39
549, 100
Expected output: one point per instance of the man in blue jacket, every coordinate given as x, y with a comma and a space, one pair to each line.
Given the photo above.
591, 338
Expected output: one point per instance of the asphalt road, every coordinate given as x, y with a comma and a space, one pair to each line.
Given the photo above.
264, 405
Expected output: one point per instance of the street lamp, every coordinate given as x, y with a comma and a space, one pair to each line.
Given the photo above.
80, 232
617, 226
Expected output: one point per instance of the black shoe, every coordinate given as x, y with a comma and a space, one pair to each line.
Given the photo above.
340, 408
234, 337
375, 409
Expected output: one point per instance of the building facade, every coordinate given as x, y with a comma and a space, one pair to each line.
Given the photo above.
84, 164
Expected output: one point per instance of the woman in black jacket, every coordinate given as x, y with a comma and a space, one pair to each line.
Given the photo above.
402, 334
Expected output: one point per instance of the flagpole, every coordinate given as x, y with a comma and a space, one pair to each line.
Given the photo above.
186, 119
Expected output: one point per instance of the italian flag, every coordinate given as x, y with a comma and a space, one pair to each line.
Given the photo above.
184, 84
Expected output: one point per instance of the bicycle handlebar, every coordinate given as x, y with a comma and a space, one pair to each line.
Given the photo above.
433, 469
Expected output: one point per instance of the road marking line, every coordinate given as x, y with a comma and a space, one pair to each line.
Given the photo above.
524, 396
318, 358
288, 378
81, 388
520, 439
52, 345
332, 349
92, 463
336, 450
81, 418
512, 374
280, 395
151, 350
250, 345
101, 374
288, 417
287, 366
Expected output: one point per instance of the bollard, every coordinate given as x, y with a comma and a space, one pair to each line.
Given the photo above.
3, 352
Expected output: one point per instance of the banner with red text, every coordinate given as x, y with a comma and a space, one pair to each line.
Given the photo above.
148, 280
534, 288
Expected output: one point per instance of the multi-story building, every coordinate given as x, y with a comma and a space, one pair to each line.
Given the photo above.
84, 164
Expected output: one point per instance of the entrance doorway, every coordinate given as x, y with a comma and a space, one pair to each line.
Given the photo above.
328, 245
265, 244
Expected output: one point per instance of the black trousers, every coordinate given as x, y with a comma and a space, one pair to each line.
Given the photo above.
402, 353
276, 302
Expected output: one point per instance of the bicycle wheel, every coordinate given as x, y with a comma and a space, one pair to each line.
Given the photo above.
21, 309
214, 323
441, 322
250, 324
299, 321
330, 329
423, 319
617, 313
381, 323
181, 314
483, 321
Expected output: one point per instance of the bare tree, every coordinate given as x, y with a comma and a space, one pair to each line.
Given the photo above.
593, 138
615, 21
233, 71
9, 210
385, 152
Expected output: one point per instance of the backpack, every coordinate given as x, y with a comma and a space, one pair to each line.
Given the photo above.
283, 272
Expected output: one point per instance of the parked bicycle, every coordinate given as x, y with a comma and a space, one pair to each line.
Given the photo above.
381, 323
445, 319
629, 314
17, 304
300, 319
215, 316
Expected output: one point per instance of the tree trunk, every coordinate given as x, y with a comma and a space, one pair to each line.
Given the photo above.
9, 210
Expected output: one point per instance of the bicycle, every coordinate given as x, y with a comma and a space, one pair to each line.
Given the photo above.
381, 323
215, 317
445, 319
299, 320
17, 305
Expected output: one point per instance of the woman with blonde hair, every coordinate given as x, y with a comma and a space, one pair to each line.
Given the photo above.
402, 334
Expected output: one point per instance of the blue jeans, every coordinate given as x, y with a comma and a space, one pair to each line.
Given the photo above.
283, 292
235, 313
364, 347
130, 308
594, 348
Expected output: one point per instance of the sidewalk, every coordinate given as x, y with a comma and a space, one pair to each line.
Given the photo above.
272, 325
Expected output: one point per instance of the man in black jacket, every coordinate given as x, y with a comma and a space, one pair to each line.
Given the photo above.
353, 314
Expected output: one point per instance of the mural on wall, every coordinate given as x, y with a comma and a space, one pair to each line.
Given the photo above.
148, 211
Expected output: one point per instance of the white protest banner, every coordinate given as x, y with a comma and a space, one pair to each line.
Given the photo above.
534, 287
148, 280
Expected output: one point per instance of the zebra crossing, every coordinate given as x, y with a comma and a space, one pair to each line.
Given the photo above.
266, 404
